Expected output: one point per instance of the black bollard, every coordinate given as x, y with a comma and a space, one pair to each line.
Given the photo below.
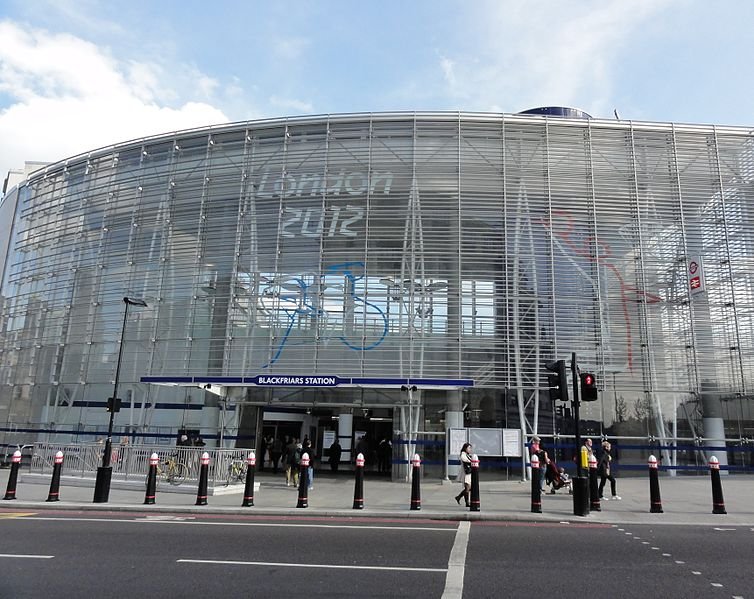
358, 488
536, 491
151, 492
303, 482
475, 502
201, 493
10, 491
581, 487
54, 494
594, 490
655, 502
248, 491
718, 503
416, 476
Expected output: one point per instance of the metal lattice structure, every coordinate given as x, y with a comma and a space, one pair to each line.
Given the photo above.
447, 245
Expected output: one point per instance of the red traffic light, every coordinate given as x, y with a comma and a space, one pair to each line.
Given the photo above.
588, 387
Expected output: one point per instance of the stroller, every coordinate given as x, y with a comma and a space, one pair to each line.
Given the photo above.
557, 478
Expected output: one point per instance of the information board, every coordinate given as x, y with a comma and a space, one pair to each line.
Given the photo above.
504, 442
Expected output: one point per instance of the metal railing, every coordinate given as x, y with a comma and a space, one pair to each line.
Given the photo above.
131, 462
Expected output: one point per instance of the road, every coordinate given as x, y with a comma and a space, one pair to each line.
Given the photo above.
107, 554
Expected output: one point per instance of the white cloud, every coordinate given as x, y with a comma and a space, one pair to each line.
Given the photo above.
69, 96
290, 48
290, 104
545, 54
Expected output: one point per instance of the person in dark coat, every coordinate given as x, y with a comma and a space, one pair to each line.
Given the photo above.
604, 470
335, 452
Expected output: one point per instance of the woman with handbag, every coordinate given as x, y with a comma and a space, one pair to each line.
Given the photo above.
464, 474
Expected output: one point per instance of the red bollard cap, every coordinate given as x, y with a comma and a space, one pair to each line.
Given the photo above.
360, 460
416, 461
652, 461
16, 457
252, 459
474, 461
59, 457
305, 459
534, 461
714, 463
154, 459
205, 459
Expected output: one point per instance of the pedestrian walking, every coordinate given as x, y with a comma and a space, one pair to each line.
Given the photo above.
335, 451
292, 464
384, 456
307, 448
464, 474
604, 470
544, 460
276, 453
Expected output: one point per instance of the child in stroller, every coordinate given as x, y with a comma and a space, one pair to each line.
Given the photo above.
557, 478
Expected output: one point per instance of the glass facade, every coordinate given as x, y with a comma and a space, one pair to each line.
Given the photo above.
429, 245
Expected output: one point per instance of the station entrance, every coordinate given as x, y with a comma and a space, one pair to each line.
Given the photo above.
382, 418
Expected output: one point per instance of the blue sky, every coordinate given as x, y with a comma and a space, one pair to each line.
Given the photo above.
80, 74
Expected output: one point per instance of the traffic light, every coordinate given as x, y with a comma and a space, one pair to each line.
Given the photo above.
588, 387
113, 404
558, 382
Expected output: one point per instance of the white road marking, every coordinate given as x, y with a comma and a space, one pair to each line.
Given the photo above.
26, 556
264, 524
288, 565
165, 518
656, 548
679, 562
696, 573
645, 542
457, 563
716, 584
665, 555
717, 528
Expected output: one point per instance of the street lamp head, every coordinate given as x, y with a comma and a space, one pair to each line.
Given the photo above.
131, 301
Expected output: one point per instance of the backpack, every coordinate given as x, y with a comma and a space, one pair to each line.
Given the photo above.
295, 458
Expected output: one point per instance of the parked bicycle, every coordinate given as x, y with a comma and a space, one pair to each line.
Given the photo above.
171, 471
236, 472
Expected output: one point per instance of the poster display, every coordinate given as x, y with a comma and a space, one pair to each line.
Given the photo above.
505, 442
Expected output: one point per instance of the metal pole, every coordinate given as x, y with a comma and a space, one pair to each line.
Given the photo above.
109, 441
104, 472
576, 416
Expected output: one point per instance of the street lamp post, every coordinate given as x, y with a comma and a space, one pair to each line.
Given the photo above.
104, 472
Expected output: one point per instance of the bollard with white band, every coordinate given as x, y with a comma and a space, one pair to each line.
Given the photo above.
54, 494
416, 476
15, 464
536, 491
358, 488
594, 492
475, 501
248, 492
151, 493
201, 492
303, 482
718, 502
655, 501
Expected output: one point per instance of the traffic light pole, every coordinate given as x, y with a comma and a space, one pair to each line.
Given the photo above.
576, 417
581, 482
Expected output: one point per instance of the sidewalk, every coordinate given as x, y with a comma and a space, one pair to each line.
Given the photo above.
686, 500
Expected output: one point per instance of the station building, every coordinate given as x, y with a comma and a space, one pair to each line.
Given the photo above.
385, 276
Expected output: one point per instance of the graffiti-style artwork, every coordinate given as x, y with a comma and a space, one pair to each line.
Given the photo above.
299, 300
576, 247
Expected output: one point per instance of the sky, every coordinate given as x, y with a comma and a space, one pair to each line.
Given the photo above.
76, 75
